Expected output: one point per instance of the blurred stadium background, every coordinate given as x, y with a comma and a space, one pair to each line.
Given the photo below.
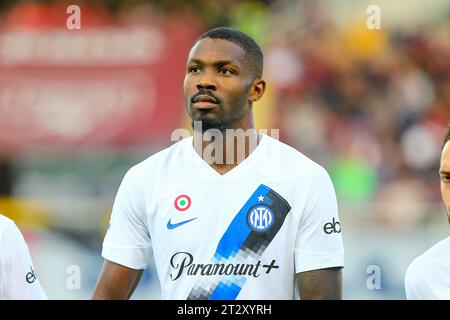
79, 107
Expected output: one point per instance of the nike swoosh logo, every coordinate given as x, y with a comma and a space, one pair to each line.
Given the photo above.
176, 225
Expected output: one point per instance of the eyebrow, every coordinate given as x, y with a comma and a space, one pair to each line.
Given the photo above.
444, 171
216, 63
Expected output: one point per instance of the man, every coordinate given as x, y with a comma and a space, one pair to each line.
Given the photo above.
18, 279
428, 276
250, 228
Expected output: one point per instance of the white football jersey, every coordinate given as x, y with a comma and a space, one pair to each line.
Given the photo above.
241, 235
18, 279
428, 276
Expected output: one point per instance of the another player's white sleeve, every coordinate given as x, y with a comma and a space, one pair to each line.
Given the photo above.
319, 242
127, 241
415, 287
18, 280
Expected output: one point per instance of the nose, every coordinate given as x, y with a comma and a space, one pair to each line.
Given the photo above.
206, 81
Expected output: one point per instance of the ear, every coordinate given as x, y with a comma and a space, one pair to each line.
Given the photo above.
257, 91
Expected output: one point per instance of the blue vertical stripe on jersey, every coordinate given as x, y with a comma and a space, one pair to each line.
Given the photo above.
238, 230
239, 237
225, 292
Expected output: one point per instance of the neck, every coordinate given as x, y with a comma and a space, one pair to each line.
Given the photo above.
224, 149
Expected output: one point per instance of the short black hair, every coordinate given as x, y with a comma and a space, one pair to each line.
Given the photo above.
253, 53
446, 136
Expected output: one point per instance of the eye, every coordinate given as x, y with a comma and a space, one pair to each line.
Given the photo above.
445, 178
226, 71
193, 69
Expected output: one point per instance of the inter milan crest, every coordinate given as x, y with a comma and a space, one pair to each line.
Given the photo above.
260, 218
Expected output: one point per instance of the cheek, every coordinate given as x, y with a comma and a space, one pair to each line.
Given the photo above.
187, 86
445, 191
239, 95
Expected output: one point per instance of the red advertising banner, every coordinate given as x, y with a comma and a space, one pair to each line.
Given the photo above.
102, 85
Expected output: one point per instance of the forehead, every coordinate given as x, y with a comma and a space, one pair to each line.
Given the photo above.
445, 157
209, 50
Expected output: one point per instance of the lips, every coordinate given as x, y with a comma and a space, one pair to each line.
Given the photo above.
205, 98
204, 101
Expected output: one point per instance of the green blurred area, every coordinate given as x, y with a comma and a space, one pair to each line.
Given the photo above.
353, 180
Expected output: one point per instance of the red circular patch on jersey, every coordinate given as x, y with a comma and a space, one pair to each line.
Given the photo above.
182, 202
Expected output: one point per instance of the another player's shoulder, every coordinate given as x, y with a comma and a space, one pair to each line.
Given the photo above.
6, 224
292, 159
425, 262
437, 251
5, 221
9, 232
440, 248
170, 156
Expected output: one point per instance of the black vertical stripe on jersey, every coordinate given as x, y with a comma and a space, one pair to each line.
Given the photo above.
258, 241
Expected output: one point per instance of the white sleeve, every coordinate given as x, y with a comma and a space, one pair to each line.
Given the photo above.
18, 279
415, 286
127, 241
319, 242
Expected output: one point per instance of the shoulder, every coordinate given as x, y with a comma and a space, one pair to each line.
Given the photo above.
5, 221
416, 286
7, 226
167, 157
412, 275
439, 248
11, 237
295, 162
426, 259
424, 263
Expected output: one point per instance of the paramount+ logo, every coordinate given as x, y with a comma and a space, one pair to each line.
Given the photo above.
332, 227
183, 264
